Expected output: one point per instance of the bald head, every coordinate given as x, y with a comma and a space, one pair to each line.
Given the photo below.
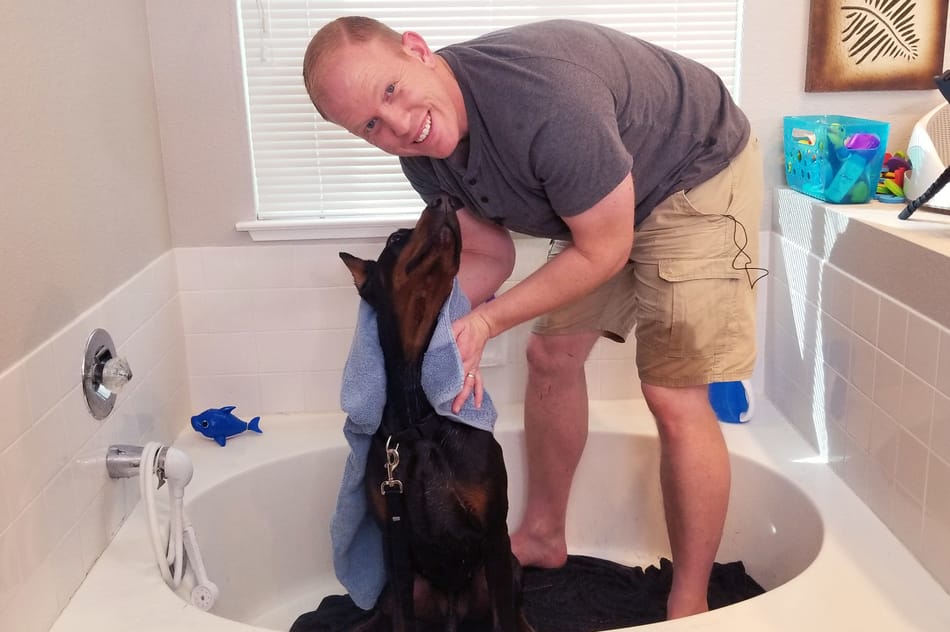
331, 39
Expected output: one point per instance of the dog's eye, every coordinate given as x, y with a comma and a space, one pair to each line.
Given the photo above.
397, 238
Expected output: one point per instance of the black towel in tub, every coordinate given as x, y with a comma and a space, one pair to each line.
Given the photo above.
585, 595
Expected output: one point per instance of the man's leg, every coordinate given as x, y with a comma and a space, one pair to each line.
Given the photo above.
555, 433
695, 269
695, 478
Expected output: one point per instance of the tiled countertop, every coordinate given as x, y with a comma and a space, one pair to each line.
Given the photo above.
907, 259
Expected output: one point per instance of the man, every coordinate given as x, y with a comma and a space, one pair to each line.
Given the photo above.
579, 133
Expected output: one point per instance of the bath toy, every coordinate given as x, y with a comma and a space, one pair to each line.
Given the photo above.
890, 186
860, 192
836, 133
849, 185
862, 140
731, 401
219, 424
846, 178
897, 161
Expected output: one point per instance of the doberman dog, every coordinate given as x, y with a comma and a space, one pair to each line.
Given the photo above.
441, 496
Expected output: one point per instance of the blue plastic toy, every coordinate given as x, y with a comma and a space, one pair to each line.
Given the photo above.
732, 401
219, 424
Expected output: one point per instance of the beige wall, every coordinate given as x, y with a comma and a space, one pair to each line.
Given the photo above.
82, 201
200, 89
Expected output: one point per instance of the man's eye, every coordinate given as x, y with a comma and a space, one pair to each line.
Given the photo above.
391, 88
371, 125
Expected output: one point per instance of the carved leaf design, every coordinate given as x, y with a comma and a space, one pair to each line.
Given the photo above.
880, 28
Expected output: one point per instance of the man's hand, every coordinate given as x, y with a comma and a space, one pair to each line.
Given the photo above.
471, 332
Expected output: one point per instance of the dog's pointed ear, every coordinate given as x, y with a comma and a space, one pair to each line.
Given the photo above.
358, 268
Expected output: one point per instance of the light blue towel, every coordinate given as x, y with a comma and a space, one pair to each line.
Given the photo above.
357, 540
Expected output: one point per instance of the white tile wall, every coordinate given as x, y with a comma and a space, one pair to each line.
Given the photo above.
268, 329
58, 508
867, 380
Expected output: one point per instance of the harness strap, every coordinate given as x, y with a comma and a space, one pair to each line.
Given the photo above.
396, 541
397, 557
424, 429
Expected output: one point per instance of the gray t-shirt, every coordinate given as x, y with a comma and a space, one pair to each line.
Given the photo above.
560, 111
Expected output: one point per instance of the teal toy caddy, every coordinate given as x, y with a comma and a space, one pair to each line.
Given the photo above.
834, 158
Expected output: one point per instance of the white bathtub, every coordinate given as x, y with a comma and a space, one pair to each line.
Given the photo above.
261, 507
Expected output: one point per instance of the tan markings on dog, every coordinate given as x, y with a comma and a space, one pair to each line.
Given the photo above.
473, 497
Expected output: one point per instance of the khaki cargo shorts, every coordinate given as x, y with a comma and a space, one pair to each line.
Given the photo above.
689, 287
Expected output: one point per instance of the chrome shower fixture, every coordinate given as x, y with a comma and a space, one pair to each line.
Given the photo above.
103, 374
177, 546
124, 461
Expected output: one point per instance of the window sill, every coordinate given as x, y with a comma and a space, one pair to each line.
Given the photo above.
321, 229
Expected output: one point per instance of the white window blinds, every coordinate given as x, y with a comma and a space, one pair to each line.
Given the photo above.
305, 167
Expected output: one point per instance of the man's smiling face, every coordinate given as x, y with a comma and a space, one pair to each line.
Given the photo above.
399, 99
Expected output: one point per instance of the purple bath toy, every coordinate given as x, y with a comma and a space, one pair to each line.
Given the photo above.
862, 140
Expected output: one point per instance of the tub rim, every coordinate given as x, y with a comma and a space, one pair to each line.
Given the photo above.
906, 597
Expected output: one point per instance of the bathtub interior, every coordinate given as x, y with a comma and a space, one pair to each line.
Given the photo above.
265, 541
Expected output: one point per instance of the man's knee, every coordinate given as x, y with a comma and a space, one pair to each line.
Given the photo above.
559, 354
677, 408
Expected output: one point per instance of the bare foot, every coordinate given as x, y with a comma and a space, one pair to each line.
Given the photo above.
538, 551
679, 608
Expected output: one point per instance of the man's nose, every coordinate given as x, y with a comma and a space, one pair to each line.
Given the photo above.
398, 120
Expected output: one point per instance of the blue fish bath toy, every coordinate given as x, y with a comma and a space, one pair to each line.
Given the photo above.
219, 424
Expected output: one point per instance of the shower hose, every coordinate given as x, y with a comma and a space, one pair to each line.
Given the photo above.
180, 544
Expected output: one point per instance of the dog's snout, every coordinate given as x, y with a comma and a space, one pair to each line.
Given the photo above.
445, 204
446, 235
453, 202
439, 214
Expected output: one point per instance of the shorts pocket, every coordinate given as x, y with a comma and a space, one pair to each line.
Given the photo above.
719, 268
696, 302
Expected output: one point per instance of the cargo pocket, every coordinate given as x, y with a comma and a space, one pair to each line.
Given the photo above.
698, 302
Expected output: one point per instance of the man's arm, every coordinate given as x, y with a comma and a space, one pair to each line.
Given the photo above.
601, 240
488, 257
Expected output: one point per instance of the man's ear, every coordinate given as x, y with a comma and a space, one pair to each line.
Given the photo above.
416, 47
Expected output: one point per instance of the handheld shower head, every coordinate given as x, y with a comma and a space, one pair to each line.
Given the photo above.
166, 464
177, 469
